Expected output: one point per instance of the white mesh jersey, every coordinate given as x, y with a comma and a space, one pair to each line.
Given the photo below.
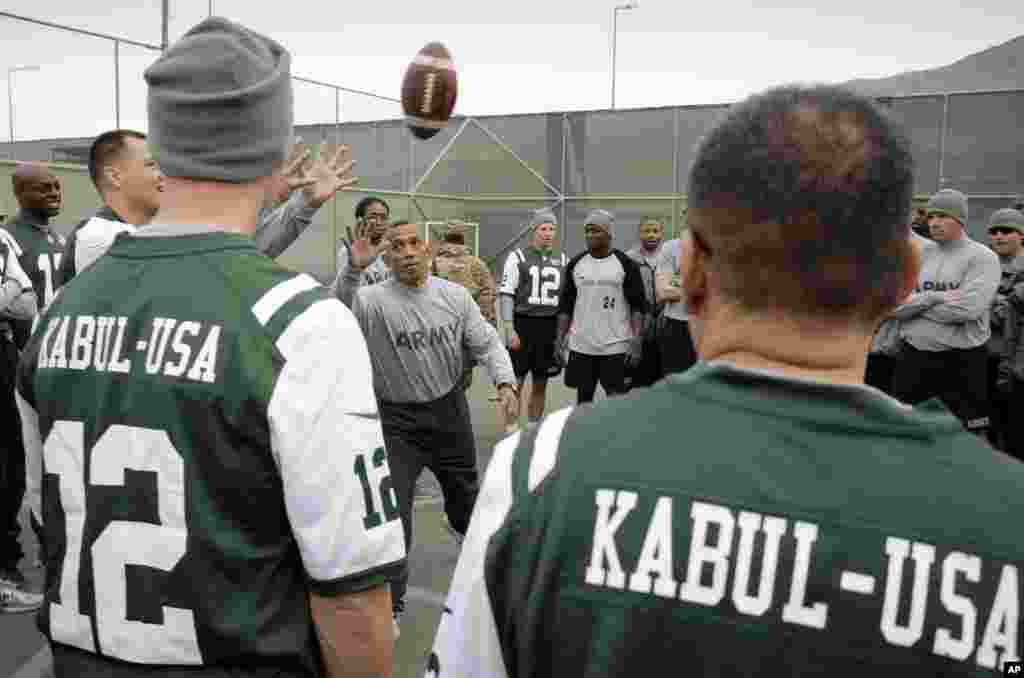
10, 269
600, 320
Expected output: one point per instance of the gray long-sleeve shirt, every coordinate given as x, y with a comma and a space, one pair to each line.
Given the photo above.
930, 323
277, 228
419, 339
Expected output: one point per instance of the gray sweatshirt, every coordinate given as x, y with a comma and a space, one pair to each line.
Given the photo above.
419, 339
279, 227
927, 321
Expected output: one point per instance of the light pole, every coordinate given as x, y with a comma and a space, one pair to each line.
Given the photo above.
165, 23
631, 4
10, 93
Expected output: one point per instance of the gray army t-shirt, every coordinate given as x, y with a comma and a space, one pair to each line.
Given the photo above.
419, 338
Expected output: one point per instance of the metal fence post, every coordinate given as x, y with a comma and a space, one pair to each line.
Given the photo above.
675, 169
942, 142
564, 187
117, 84
337, 116
334, 201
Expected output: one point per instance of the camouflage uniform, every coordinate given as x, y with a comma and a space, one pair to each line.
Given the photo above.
454, 263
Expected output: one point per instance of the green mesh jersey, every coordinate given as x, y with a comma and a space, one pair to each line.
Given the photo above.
203, 449
40, 250
733, 523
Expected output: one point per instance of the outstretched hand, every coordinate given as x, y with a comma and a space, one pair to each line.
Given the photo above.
320, 178
362, 251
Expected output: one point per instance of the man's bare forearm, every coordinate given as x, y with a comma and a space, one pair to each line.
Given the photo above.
664, 291
355, 632
563, 325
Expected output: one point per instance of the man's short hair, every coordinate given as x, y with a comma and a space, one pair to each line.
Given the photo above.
801, 197
365, 203
105, 148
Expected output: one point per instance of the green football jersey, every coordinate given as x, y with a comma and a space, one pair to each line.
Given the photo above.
734, 523
534, 278
203, 450
40, 250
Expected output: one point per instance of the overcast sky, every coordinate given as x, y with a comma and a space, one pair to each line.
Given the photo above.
512, 57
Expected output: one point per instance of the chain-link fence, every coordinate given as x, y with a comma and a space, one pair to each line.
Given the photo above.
494, 170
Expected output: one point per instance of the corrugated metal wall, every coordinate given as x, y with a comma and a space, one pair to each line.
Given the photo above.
494, 170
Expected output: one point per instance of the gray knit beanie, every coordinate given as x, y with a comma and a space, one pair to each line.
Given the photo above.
542, 216
949, 202
602, 218
220, 104
1007, 218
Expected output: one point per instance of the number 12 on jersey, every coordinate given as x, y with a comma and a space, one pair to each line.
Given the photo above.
546, 281
384, 497
120, 544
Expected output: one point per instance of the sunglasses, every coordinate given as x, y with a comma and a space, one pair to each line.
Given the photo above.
1002, 230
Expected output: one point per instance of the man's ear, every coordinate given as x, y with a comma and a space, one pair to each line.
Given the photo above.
112, 176
693, 274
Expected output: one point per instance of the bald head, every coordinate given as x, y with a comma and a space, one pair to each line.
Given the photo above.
36, 189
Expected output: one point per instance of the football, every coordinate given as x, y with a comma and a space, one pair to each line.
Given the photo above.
428, 91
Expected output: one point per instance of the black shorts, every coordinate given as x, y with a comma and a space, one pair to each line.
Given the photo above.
584, 371
536, 352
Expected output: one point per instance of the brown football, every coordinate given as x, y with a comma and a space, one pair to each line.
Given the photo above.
428, 90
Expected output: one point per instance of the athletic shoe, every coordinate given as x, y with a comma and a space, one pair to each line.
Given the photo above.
14, 600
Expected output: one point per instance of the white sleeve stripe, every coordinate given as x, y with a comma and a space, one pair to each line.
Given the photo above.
33, 456
316, 441
12, 268
95, 239
12, 242
510, 275
545, 447
280, 294
467, 643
